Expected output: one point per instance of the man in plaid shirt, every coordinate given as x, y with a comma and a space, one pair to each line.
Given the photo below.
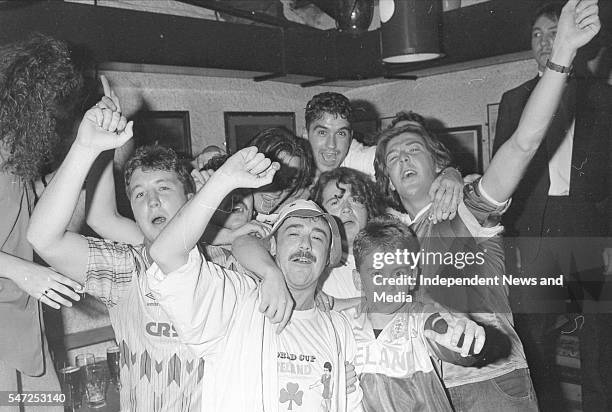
158, 373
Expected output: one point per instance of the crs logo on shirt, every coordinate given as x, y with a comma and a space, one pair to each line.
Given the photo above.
161, 329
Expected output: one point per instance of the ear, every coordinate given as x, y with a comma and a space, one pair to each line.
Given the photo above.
272, 240
189, 196
391, 187
305, 132
356, 279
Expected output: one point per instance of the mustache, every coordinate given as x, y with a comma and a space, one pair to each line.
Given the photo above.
303, 254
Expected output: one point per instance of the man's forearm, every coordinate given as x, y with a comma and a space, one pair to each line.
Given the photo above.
102, 215
253, 254
171, 248
511, 161
58, 202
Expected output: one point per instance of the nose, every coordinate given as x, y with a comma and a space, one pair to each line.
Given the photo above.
404, 156
547, 40
305, 243
153, 199
345, 206
331, 141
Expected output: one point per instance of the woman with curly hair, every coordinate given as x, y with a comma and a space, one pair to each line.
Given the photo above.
352, 197
39, 88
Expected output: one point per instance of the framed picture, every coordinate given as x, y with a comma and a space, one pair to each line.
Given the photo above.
465, 143
241, 127
385, 122
166, 128
492, 111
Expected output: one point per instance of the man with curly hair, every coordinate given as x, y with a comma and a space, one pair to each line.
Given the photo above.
39, 85
328, 128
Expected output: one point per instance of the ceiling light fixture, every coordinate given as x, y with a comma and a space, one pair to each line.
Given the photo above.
409, 30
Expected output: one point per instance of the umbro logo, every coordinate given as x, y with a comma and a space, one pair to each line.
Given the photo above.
151, 297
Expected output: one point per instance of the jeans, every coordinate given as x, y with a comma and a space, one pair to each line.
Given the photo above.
512, 392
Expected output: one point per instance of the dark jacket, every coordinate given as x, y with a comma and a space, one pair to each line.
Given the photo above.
591, 172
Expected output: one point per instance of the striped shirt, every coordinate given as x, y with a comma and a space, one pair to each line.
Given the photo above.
158, 373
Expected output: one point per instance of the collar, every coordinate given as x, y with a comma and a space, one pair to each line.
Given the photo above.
406, 217
305, 314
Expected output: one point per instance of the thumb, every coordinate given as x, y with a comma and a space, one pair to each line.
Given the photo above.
126, 134
430, 334
105, 85
268, 175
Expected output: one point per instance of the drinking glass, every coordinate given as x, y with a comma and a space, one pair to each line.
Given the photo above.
112, 359
94, 380
70, 379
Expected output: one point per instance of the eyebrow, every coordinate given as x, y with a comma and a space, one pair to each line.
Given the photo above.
324, 233
301, 226
160, 180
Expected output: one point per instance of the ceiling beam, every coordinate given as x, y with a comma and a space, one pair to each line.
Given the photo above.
254, 16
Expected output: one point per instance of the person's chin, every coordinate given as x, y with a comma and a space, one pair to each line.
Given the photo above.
325, 166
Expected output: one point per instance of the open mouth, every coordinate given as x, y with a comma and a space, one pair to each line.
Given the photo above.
545, 53
408, 173
303, 258
160, 220
329, 157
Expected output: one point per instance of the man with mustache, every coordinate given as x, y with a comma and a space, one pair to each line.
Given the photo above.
214, 309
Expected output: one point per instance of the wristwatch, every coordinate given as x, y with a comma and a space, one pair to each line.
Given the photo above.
558, 68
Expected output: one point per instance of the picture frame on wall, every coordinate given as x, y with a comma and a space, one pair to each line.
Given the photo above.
465, 143
167, 128
241, 127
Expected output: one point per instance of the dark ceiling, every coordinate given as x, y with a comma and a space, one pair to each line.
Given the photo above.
269, 46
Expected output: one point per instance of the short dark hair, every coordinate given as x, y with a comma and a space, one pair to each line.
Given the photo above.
150, 158
550, 10
385, 232
407, 116
441, 156
276, 141
328, 102
361, 186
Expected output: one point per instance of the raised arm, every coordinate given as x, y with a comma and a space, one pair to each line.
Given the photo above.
246, 168
102, 215
65, 251
578, 24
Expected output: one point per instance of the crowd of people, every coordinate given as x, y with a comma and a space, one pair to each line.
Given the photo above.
304, 273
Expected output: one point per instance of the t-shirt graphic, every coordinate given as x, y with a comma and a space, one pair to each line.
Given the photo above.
301, 395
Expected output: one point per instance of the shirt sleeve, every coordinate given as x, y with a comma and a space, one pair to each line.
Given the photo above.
110, 270
480, 213
349, 345
360, 158
201, 300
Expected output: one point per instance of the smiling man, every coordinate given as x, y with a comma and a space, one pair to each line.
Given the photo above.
214, 309
328, 129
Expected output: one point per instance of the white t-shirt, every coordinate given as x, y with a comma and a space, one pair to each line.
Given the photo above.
360, 157
215, 312
340, 283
